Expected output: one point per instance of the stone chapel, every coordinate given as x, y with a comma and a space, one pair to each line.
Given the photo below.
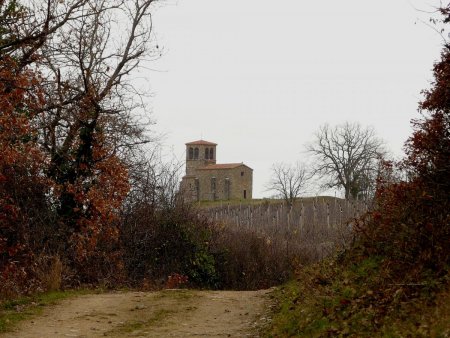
205, 180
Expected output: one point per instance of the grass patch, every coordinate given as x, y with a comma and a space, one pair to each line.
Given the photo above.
16, 310
355, 299
218, 203
136, 325
176, 294
159, 315
262, 201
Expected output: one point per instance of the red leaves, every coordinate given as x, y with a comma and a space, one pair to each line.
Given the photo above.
344, 301
428, 148
410, 225
175, 280
21, 165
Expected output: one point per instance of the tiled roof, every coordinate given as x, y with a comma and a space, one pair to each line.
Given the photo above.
201, 143
221, 166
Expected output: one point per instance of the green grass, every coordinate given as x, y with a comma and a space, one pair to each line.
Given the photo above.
356, 300
16, 310
135, 325
159, 315
209, 204
182, 294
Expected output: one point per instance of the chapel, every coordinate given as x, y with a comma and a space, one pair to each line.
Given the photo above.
206, 180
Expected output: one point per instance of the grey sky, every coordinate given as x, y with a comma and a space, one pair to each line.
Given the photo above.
259, 77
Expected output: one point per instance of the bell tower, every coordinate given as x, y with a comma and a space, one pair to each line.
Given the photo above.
199, 154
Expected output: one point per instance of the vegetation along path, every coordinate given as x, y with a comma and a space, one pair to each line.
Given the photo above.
168, 313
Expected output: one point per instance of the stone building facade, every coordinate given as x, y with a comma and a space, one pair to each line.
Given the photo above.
205, 180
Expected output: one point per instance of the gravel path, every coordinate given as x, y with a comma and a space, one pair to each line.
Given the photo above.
169, 313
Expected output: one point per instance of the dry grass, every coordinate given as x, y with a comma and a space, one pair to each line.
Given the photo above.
49, 272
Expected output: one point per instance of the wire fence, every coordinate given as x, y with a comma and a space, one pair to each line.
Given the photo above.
315, 226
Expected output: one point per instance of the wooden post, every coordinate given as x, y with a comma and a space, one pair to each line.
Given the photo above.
302, 215
328, 215
314, 214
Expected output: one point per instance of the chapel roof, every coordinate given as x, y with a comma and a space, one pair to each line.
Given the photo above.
201, 143
222, 166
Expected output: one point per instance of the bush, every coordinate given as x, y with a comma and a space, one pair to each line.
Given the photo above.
411, 221
179, 241
159, 243
246, 260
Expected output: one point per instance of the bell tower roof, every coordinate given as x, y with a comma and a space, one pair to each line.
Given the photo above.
201, 143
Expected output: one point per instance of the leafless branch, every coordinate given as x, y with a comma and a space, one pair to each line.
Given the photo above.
347, 156
288, 181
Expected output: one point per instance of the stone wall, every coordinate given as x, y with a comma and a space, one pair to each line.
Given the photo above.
224, 184
219, 184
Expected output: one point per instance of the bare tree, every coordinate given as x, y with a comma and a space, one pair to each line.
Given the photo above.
288, 181
87, 63
28, 24
154, 181
347, 156
84, 52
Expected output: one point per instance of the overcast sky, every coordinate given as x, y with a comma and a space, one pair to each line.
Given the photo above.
259, 77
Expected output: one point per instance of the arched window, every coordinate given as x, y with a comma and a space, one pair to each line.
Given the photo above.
211, 154
196, 154
206, 153
191, 153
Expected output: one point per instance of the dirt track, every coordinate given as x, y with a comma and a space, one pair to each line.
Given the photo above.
169, 313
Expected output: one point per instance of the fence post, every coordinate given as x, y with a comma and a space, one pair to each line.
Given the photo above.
314, 214
302, 216
328, 216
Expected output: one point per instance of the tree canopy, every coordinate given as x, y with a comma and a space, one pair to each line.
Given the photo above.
347, 157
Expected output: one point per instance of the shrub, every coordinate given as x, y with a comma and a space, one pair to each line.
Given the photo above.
246, 260
159, 243
410, 225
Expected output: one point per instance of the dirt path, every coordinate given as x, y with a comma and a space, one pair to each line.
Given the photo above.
169, 313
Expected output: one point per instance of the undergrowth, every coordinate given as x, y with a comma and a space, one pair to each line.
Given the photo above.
394, 279
338, 298
16, 310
